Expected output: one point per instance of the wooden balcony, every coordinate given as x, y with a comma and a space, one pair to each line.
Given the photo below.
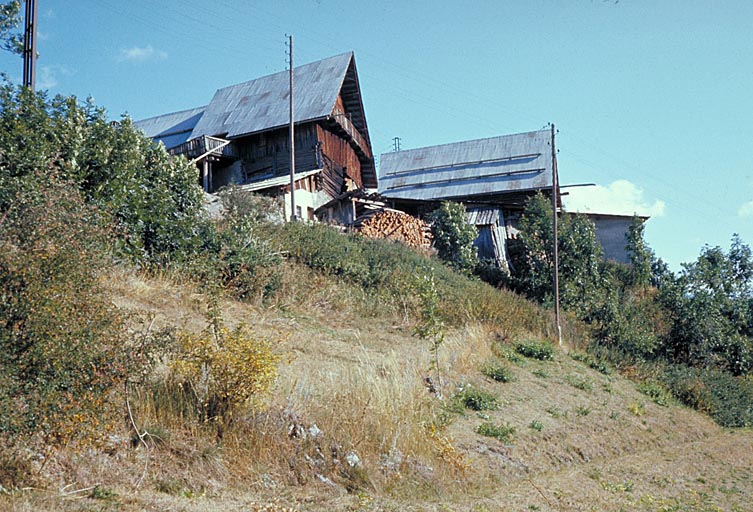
213, 147
344, 123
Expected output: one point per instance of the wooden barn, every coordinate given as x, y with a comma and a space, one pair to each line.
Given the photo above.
242, 137
492, 177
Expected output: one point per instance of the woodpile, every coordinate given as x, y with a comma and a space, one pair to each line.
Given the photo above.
394, 225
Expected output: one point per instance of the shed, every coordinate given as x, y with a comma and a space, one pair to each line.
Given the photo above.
490, 243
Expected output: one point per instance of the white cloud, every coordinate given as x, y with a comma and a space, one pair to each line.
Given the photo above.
746, 210
621, 197
47, 76
142, 54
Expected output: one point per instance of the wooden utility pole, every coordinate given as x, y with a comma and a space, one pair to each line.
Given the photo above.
555, 193
292, 138
30, 45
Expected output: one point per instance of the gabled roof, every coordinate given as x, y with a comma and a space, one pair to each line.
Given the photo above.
480, 169
172, 129
263, 104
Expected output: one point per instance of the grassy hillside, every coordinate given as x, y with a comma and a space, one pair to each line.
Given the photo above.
351, 425
153, 358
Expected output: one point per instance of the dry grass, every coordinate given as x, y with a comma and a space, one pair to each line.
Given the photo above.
354, 370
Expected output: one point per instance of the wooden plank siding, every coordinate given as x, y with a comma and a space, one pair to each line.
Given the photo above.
340, 153
267, 155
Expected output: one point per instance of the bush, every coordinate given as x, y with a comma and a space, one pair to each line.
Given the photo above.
497, 371
60, 336
596, 363
501, 432
477, 399
152, 201
656, 391
453, 236
726, 398
224, 369
535, 349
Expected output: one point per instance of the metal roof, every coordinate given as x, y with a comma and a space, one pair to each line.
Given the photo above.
278, 181
263, 103
475, 168
172, 129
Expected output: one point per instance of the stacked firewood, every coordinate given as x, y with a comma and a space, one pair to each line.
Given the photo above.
394, 225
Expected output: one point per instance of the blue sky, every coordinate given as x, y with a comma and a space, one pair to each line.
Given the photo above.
652, 99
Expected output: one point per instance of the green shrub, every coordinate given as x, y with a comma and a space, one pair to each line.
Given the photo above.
595, 363
536, 349
726, 398
536, 425
477, 399
453, 236
501, 432
497, 371
656, 391
579, 382
151, 200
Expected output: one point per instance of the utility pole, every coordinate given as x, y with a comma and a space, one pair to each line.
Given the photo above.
555, 190
396, 144
292, 138
30, 44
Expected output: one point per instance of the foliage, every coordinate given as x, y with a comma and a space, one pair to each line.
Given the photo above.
640, 254
579, 257
247, 262
60, 336
711, 305
656, 391
431, 326
501, 432
594, 362
497, 371
225, 369
10, 19
476, 399
536, 425
536, 349
726, 398
152, 201
453, 236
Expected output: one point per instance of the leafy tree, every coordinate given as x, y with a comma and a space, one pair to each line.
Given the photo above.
10, 18
581, 280
453, 236
640, 254
711, 303
153, 201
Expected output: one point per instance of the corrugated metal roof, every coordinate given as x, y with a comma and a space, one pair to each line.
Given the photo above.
278, 181
483, 216
172, 129
263, 103
482, 168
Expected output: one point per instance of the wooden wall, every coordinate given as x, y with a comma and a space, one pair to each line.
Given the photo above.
266, 155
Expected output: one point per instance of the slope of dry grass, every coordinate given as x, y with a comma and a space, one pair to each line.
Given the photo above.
352, 386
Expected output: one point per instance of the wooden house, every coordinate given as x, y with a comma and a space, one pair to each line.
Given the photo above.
242, 136
492, 177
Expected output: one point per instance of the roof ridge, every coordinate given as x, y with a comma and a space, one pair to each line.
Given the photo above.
464, 142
